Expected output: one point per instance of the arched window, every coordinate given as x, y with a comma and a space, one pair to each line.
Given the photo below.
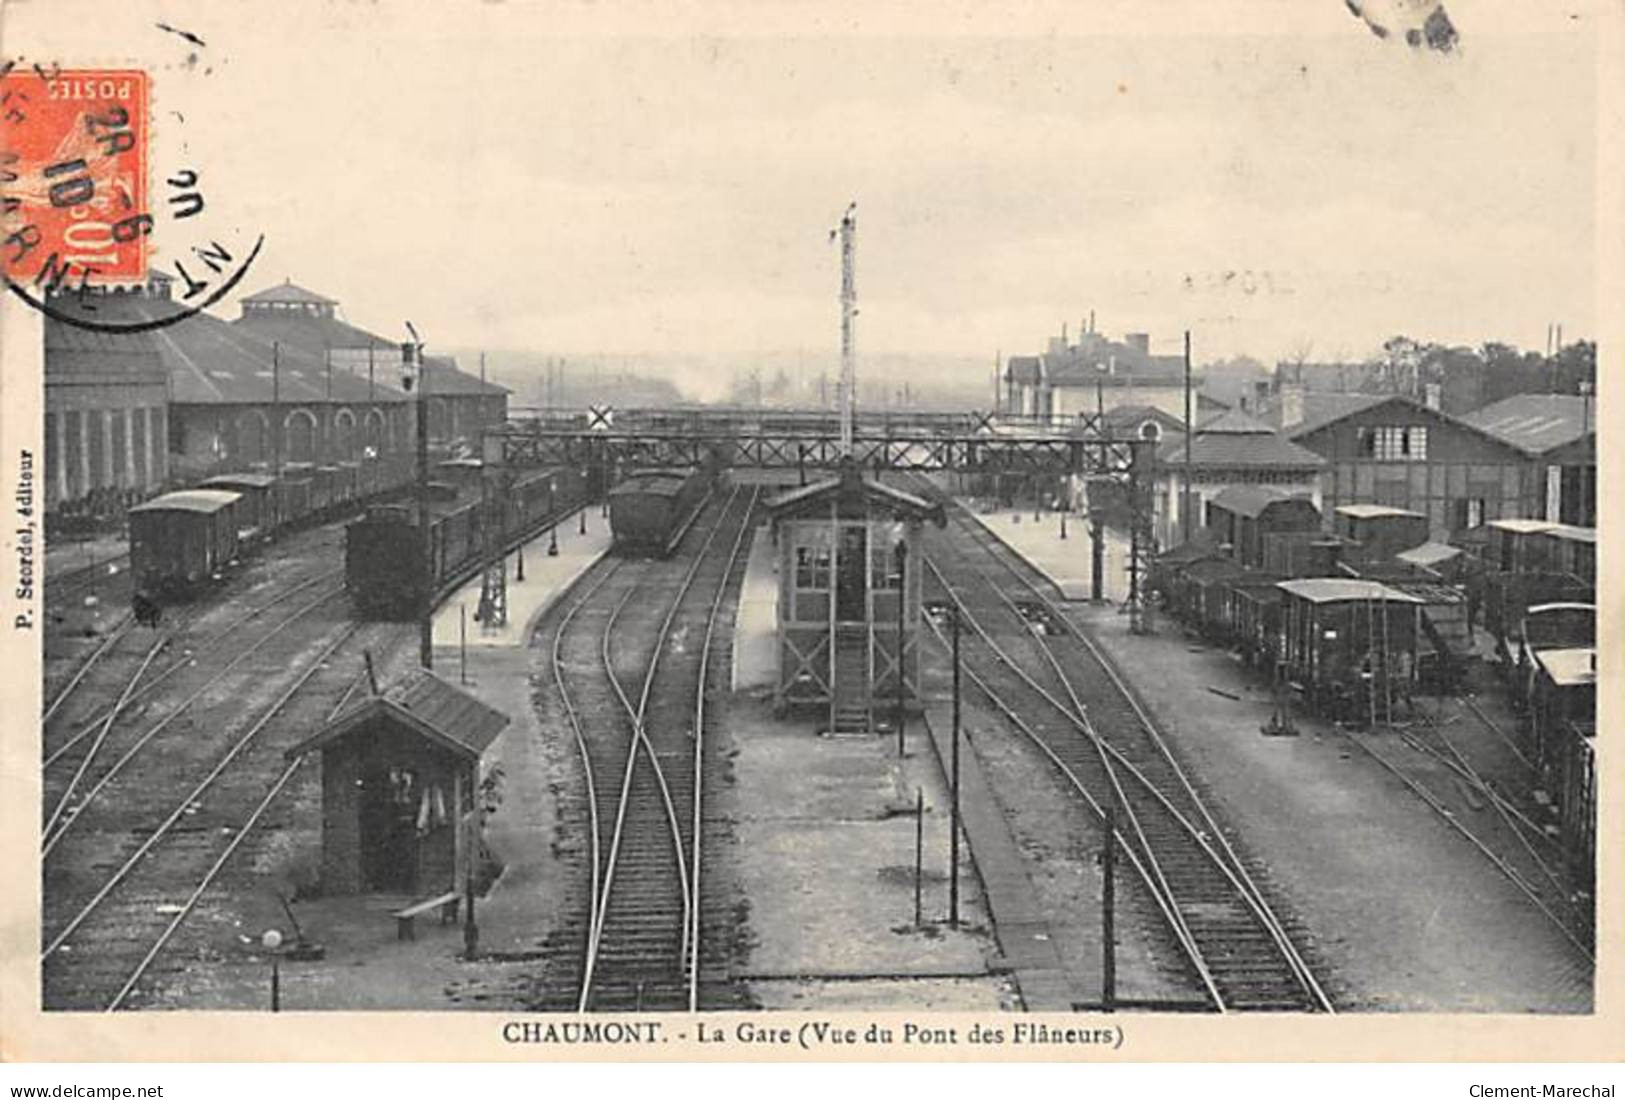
299, 434
1151, 430
374, 436
252, 441
344, 435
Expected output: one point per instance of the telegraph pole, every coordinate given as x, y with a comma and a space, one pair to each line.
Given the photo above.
1186, 528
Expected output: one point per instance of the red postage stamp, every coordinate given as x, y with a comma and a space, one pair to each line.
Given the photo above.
73, 175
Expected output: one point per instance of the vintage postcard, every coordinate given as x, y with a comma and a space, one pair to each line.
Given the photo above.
810, 532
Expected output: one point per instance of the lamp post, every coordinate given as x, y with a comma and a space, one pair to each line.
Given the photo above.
902, 601
553, 521
413, 374
953, 784
582, 514
271, 940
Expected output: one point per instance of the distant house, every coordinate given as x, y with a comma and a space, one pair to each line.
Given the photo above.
1557, 432
1399, 452
1228, 451
1096, 375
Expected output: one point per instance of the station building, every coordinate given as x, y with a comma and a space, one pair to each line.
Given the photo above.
1229, 451
461, 405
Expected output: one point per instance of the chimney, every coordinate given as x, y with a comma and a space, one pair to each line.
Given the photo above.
1291, 404
1139, 341
1432, 390
1091, 320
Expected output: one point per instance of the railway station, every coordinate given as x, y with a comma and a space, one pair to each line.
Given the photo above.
1067, 704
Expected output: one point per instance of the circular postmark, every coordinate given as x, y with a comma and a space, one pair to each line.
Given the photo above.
78, 215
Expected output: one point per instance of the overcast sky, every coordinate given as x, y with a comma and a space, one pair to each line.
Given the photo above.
507, 187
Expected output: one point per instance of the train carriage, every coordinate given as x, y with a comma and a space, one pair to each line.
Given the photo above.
650, 512
181, 539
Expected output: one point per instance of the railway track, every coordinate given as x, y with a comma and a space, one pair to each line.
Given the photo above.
112, 888
194, 680
1447, 782
631, 672
1051, 682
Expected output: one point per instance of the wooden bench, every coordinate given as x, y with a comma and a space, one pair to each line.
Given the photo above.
447, 903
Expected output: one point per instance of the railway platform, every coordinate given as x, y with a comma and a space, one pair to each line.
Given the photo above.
824, 833
1401, 912
1066, 562
520, 905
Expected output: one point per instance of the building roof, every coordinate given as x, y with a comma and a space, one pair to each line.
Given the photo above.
1250, 500
1240, 450
1429, 553
1234, 422
1571, 667
1362, 402
203, 501
1521, 526
425, 704
1024, 369
1320, 409
235, 481
446, 379
1537, 422
315, 332
1340, 589
288, 292
73, 353
1375, 511
851, 482
1568, 532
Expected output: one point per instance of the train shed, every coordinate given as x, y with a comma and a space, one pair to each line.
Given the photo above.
400, 774
848, 548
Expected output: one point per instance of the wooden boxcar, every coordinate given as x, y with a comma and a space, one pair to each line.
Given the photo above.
256, 512
1564, 692
384, 555
650, 512
1350, 645
1563, 548
181, 539
1381, 531
1240, 516
1305, 553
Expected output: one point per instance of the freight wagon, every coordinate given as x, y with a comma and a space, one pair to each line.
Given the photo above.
180, 540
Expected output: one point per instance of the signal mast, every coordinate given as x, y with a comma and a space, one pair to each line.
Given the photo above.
848, 233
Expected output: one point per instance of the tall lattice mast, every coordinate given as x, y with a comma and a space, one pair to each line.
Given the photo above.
849, 311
